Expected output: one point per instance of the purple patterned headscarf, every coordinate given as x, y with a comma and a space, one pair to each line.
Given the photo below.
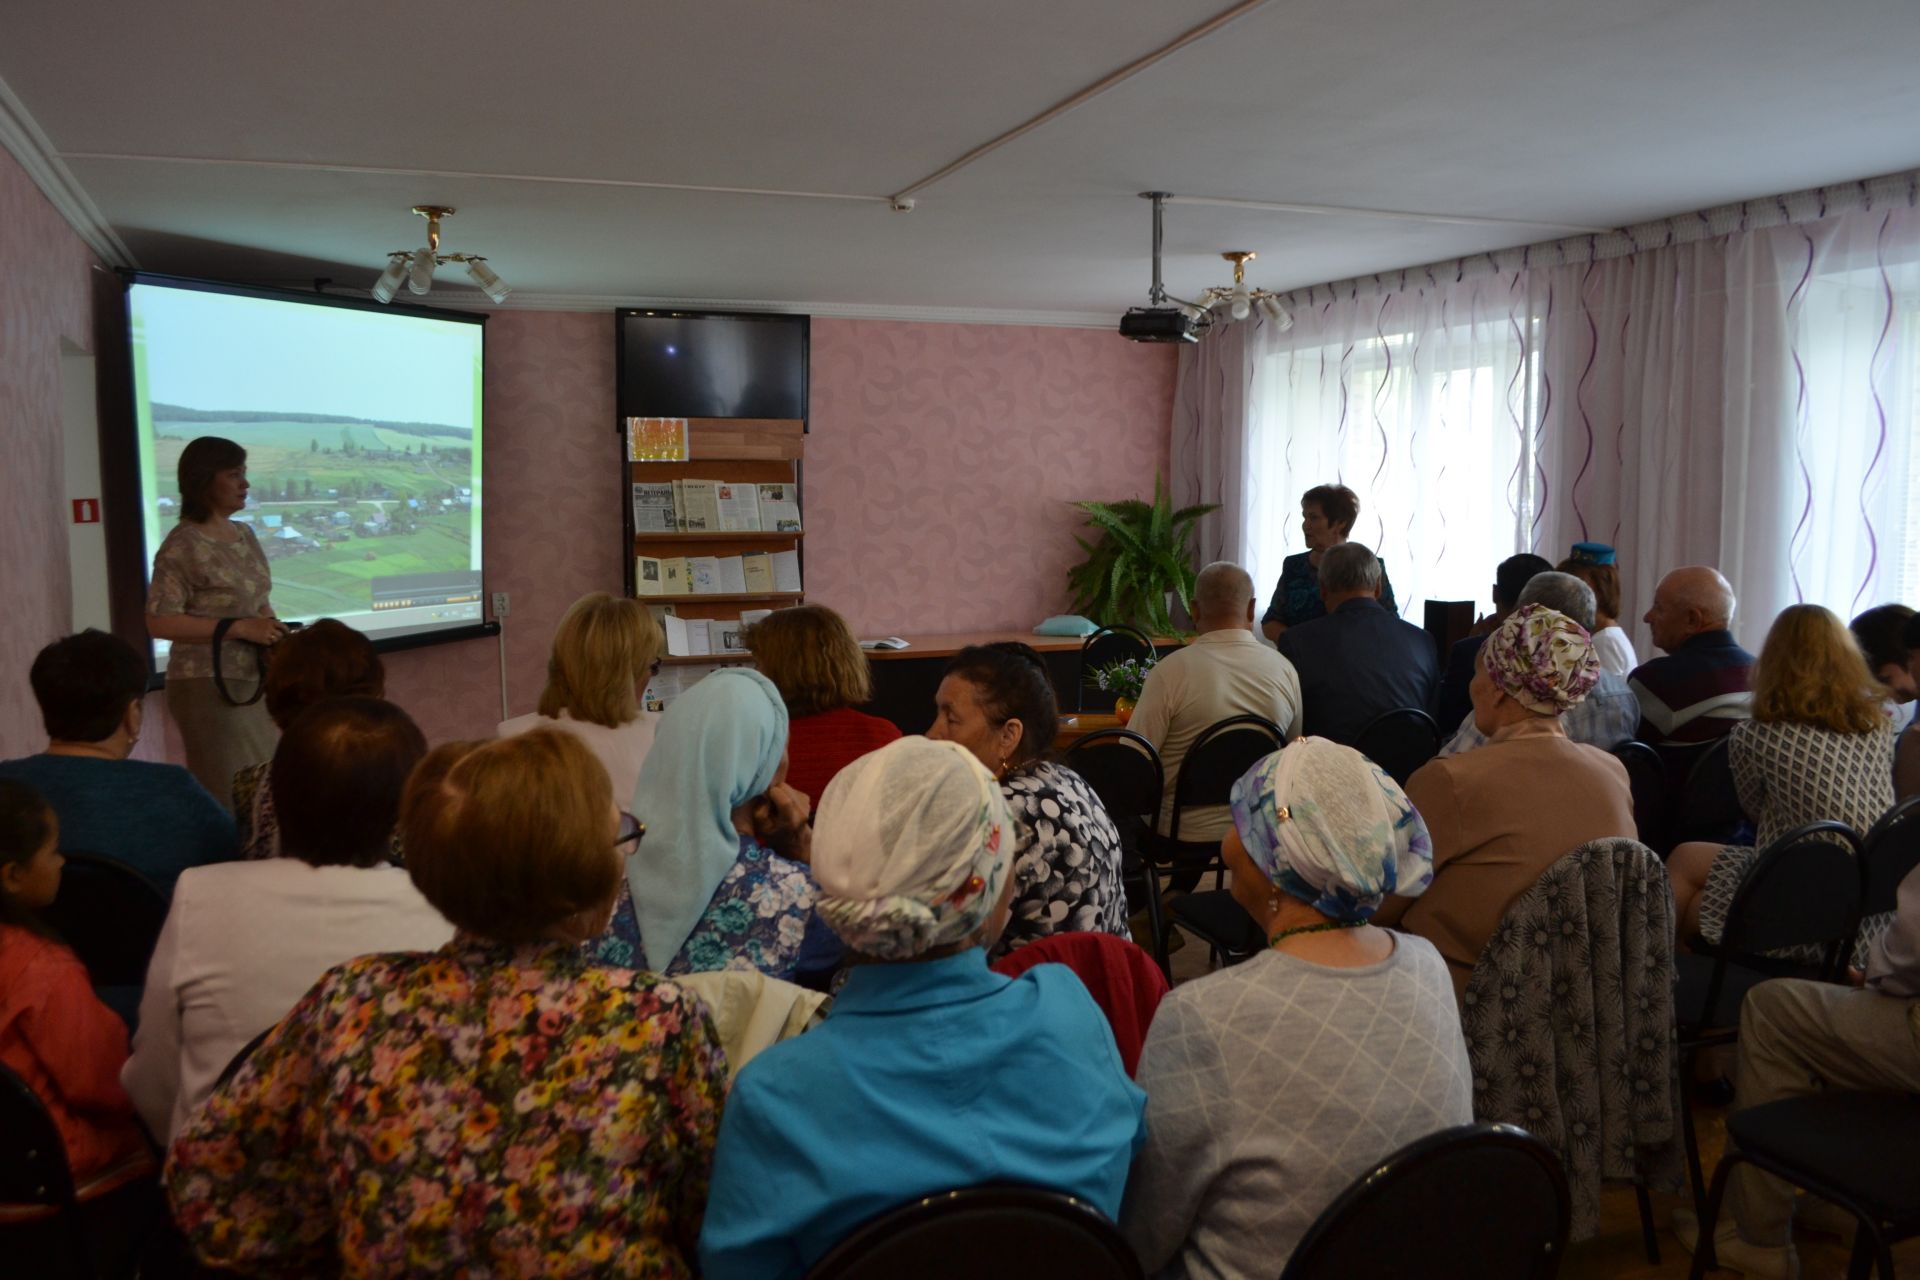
1542, 659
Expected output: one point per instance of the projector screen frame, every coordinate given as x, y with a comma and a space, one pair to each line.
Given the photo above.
128, 556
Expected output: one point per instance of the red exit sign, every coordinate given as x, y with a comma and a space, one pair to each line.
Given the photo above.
86, 511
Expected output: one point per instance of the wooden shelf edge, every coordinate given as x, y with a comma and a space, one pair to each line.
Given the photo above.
712, 597
705, 659
724, 535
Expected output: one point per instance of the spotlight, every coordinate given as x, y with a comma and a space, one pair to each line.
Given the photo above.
420, 279
1280, 317
389, 281
1242, 304
489, 283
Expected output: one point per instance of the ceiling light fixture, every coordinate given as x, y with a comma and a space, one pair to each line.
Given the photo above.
415, 266
1184, 321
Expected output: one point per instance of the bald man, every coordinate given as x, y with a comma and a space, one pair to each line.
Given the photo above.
1700, 690
1226, 671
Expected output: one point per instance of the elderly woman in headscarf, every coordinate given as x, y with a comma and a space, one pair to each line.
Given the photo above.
932, 1071
1274, 1084
716, 875
1502, 814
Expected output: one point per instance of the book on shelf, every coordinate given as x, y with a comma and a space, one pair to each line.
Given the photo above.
647, 579
654, 510
699, 505
686, 637
661, 612
750, 616
703, 575
673, 576
727, 637
779, 508
756, 570
786, 571
656, 439
733, 576
738, 504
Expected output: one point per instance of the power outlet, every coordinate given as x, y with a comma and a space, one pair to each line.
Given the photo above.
499, 604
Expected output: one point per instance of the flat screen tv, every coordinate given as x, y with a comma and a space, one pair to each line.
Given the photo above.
709, 364
362, 426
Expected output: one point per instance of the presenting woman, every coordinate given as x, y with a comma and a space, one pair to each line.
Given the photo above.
1327, 514
212, 568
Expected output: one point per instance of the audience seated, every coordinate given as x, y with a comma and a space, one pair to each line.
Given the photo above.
931, 1072
1327, 514
604, 652
1818, 748
154, 818
1361, 659
1274, 1084
245, 940
719, 880
1699, 691
1451, 704
325, 659
1609, 714
1594, 564
1797, 1037
501, 1106
997, 701
1120, 976
1889, 639
1502, 814
1224, 672
54, 1033
813, 659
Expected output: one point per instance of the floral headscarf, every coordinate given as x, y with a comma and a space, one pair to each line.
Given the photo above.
1328, 827
1542, 659
911, 848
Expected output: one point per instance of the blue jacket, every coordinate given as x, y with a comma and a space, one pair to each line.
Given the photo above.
1357, 662
926, 1077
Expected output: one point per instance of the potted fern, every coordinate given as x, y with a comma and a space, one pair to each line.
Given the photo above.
1140, 563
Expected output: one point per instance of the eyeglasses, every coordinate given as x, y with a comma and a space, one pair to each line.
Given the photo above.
631, 829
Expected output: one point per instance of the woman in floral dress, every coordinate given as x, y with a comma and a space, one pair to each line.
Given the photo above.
719, 880
503, 1106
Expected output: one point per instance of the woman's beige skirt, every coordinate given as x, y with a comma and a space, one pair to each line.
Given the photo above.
221, 739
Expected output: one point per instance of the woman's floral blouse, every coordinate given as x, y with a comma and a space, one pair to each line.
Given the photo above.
761, 917
483, 1110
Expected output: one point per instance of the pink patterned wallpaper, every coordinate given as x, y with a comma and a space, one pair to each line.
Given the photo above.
943, 459
46, 297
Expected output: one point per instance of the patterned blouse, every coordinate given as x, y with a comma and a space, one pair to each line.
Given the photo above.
205, 578
484, 1109
761, 917
253, 811
1066, 858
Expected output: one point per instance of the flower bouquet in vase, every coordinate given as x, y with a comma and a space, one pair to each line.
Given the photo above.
1123, 679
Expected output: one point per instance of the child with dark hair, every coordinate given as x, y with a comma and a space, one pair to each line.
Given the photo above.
54, 1032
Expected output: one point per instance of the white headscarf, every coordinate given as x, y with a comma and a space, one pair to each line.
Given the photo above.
911, 848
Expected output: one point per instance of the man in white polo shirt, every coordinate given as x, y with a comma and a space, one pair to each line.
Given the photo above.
1225, 672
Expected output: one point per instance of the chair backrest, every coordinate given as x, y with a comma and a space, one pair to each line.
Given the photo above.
1647, 778
1473, 1201
1108, 644
1802, 890
1399, 741
1888, 853
110, 915
1022, 1233
1224, 750
1709, 807
33, 1159
1122, 768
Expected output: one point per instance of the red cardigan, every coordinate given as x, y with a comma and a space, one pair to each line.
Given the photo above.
819, 746
69, 1048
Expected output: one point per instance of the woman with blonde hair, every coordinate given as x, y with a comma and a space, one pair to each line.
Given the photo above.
1818, 748
604, 652
505, 1105
813, 659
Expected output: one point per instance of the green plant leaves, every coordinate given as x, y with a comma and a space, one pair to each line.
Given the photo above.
1142, 554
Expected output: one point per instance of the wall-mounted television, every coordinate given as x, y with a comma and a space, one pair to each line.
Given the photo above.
362, 426
711, 364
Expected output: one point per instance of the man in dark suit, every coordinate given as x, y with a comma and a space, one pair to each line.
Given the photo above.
1359, 660
1451, 704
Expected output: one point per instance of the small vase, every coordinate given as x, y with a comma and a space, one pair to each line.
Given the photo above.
1123, 708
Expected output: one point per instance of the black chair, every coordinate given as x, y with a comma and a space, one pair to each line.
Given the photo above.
1399, 741
1009, 1232
1888, 852
110, 915
34, 1177
1466, 1203
1224, 751
1109, 644
1708, 807
1125, 772
1851, 1149
1803, 890
1647, 777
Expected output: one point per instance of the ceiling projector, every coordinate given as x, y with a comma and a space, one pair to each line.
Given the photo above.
1158, 324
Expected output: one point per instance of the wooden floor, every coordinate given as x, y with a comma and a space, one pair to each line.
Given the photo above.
1616, 1253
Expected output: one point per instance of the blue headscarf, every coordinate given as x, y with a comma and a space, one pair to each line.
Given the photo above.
717, 747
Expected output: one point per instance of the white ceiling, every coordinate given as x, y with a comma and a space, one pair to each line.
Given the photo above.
1552, 113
